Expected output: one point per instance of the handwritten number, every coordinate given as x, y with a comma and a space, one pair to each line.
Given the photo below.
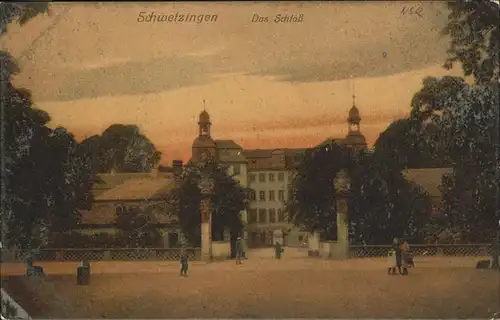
415, 10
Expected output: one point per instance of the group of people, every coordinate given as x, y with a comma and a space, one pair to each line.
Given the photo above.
400, 257
240, 250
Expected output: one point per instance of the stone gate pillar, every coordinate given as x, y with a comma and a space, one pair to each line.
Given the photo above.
342, 251
206, 189
206, 229
342, 186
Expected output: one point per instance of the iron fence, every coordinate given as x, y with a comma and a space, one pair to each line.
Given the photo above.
459, 250
99, 254
172, 254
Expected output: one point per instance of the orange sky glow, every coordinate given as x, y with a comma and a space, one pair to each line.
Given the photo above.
266, 85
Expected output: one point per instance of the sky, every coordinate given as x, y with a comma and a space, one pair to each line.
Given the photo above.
266, 85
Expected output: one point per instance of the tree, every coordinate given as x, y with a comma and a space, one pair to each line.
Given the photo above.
471, 192
137, 227
228, 200
383, 204
122, 148
312, 204
475, 38
44, 176
20, 12
409, 143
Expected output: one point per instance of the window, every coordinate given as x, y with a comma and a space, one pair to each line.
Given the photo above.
262, 196
271, 195
251, 195
251, 178
236, 169
262, 177
272, 177
272, 215
281, 215
252, 217
281, 195
281, 176
262, 216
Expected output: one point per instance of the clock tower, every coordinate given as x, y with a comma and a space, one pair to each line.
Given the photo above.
203, 146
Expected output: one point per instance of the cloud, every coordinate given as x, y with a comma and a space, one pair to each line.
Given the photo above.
107, 55
126, 78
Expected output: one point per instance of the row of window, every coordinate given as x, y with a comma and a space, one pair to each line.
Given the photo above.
271, 177
266, 215
271, 195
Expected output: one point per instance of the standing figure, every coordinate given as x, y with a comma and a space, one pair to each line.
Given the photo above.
278, 250
392, 262
405, 254
184, 263
239, 250
244, 248
398, 252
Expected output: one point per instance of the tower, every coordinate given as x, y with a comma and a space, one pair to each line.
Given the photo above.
204, 124
353, 119
354, 139
203, 146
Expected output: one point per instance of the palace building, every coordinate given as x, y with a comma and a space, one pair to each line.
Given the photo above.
268, 174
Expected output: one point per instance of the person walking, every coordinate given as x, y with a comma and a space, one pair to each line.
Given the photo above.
239, 250
392, 262
405, 256
184, 263
396, 246
278, 250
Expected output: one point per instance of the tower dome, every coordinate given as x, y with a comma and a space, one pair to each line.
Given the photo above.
354, 116
204, 117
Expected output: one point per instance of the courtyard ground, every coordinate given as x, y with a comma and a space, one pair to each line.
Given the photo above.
294, 287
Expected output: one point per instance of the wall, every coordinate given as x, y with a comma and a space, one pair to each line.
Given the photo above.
221, 250
242, 179
294, 236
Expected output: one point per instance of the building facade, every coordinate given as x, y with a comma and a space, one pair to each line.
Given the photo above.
268, 173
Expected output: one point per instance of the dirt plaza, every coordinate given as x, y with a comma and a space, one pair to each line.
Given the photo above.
260, 288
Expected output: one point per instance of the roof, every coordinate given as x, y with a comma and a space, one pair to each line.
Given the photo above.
138, 189
329, 141
258, 153
107, 181
427, 178
227, 144
204, 117
203, 142
354, 115
107, 215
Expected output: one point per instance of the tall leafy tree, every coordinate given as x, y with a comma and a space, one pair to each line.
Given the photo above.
228, 200
474, 29
46, 176
122, 148
312, 204
44, 172
383, 204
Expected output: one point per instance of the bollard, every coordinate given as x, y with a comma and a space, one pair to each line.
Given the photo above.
83, 273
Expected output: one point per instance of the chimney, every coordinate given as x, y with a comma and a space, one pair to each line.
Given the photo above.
177, 168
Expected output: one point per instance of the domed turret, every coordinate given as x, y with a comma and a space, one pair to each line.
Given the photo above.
354, 136
203, 144
204, 118
354, 115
